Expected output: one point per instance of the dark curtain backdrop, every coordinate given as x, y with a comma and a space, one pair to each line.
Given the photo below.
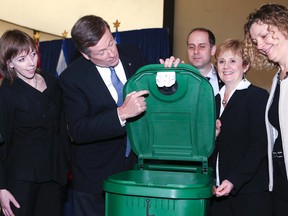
153, 42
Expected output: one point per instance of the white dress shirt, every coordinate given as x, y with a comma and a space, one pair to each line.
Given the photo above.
213, 79
105, 73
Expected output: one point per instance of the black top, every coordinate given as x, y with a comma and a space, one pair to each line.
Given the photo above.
273, 116
242, 142
36, 145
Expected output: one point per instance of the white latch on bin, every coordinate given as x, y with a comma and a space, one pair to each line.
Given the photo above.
166, 79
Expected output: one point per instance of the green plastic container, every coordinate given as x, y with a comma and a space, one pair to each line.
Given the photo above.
173, 140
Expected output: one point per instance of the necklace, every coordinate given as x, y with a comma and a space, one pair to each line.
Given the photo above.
225, 98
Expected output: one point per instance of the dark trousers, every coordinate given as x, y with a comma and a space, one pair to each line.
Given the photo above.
93, 204
280, 188
249, 204
37, 199
86, 204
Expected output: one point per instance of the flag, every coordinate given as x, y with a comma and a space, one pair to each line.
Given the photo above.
117, 37
62, 60
36, 37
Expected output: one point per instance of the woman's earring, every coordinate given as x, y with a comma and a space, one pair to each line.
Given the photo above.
244, 77
11, 68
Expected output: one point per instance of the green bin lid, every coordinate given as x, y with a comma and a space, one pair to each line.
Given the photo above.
179, 122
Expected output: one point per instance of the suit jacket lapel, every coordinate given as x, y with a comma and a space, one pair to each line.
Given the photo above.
127, 65
234, 100
99, 89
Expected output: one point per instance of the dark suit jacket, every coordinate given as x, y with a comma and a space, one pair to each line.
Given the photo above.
93, 123
36, 144
242, 142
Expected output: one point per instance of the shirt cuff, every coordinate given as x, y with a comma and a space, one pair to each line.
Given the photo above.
121, 122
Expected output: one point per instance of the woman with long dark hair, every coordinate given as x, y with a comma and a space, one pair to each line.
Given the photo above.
34, 146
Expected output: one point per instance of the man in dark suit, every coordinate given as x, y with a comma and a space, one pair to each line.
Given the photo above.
95, 122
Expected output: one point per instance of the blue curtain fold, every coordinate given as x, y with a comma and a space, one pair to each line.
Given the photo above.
50, 51
154, 44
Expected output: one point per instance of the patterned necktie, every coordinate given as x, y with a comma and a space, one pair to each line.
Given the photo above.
118, 85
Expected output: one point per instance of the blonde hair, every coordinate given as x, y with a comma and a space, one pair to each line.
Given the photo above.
235, 46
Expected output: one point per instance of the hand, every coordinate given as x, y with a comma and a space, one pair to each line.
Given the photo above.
5, 198
169, 62
218, 127
224, 189
133, 105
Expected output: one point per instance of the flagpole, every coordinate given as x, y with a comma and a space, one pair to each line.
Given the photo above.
36, 36
117, 36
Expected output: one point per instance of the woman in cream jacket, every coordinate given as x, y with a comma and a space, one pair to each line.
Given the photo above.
266, 36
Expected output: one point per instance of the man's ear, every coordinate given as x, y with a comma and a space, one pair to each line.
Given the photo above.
213, 50
85, 56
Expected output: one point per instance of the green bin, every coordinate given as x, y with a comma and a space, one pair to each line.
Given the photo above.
173, 140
